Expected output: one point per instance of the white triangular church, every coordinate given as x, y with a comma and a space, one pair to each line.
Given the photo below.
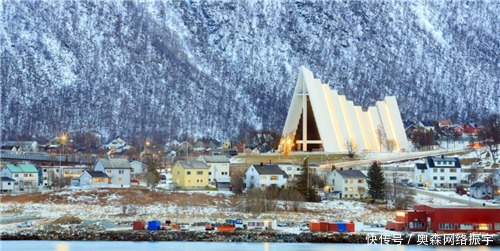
332, 123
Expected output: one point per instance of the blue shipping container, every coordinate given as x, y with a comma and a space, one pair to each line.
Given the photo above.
342, 227
154, 225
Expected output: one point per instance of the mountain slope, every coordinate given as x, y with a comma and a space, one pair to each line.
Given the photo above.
218, 68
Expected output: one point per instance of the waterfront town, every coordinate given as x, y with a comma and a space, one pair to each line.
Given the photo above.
433, 176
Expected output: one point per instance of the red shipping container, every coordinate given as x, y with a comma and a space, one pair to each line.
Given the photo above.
314, 226
139, 225
323, 226
333, 227
349, 227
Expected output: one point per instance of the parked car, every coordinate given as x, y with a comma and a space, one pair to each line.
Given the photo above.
25, 224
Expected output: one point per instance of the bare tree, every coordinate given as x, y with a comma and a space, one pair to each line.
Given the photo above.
237, 183
390, 145
351, 148
381, 136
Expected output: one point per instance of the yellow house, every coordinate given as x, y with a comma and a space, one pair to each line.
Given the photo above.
190, 175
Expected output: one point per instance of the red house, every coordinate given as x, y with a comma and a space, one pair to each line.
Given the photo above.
449, 219
472, 128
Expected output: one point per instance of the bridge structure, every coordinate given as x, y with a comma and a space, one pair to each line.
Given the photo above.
47, 158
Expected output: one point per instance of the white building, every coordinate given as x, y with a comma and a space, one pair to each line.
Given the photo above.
218, 167
337, 122
347, 184
292, 170
6, 185
118, 170
139, 169
265, 175
21, 146
25, 176
438, 172
117, 145
93, 179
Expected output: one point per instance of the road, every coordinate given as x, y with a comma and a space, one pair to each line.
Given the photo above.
462, 199
400, 156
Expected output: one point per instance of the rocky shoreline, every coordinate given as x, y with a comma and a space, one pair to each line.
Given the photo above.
202, 236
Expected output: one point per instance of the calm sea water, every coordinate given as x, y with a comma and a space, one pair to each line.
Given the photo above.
218, 246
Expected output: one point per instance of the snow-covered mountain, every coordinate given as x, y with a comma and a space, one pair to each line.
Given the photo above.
221, 67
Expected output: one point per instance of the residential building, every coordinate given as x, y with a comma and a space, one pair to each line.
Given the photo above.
265, 175
6, 185
427, 125
292, 170
347, 184
218, 167
190, 175
21, 146
117, 145
25, 176
480, 190
472, 128
60, 175
438, 172
93, 179
118, 171
139, 169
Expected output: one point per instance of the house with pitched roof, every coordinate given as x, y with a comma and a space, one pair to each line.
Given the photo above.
189, 175
444, 172
6, 185
118, 171
218, 167
480, 190
139, 169
347, 184
117, 145
93, 179
263, 176
20, 146
25, 176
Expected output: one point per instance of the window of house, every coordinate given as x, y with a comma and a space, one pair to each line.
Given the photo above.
434, 170
416, 224
435, 178
8, 183
25, 175
262, 177
57, 170
298, 169
209, 173
188, 181
16, 175
441, 178
121, 171
483, 226
346, 181
438, 162
497, 226
178, 173
453, 178
446, 226
201, 180
119, 179
442, 170
350, 189
350, 195
465, 227
108, 171
45, 170
345, 189
360, 181
188, 172
209, 179
274, 177
289, 168
199, 172
351, 181
422, 171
